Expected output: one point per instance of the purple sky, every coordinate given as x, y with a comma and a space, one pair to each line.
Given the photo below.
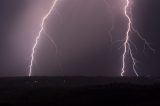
80, 30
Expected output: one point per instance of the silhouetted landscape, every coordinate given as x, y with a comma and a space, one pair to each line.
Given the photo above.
81, 91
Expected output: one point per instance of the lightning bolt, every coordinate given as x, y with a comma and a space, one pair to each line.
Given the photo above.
112, 20
39, 35
127, 42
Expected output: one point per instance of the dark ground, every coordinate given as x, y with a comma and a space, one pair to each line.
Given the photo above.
80, 91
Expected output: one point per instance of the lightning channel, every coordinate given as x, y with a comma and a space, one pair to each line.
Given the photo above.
127, 43
39, 35
110, 30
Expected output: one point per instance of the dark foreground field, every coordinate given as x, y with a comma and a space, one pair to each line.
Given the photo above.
80, 91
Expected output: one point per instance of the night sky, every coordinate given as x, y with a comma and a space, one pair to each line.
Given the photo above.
80, 30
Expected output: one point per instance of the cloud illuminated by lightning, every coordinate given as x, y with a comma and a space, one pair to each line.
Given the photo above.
127, 42
39, 35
